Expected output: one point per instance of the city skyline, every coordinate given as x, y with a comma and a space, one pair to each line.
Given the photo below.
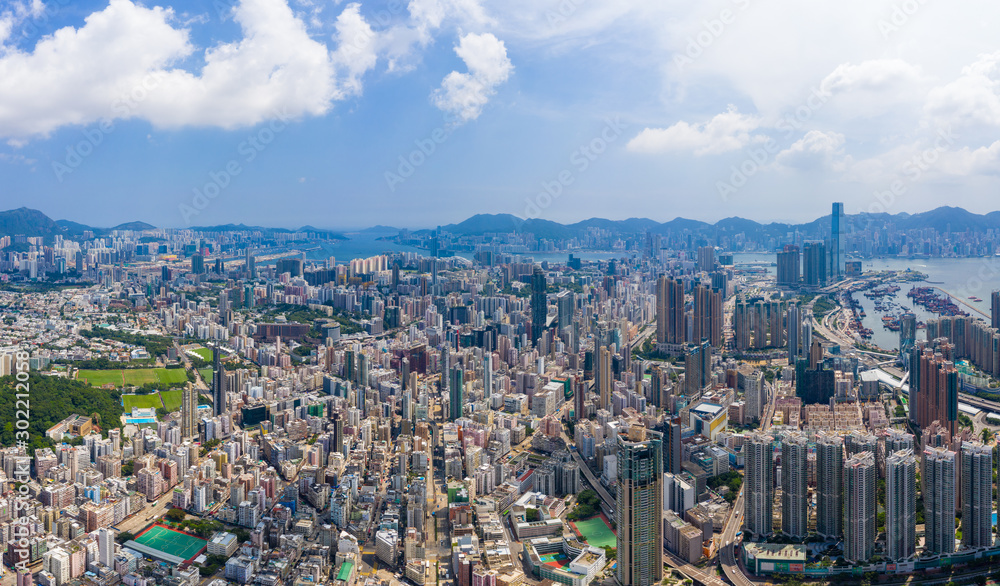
581, 404
482, 293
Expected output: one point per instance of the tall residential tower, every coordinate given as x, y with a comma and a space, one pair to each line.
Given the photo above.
900, 505
759, 484
639, 507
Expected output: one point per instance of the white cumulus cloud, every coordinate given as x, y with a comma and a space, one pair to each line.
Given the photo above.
972, 99
817, 149
871, 75
465, 94
357, 50
121, 64
725, 132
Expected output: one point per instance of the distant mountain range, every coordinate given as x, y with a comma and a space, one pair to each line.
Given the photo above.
31, 222
943, 219
245, 228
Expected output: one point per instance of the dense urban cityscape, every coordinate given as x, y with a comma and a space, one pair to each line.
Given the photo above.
219, 406
499, 293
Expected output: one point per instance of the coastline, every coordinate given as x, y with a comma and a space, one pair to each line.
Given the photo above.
964, 302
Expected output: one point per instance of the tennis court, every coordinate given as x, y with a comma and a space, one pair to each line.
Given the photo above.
558, 560
173, 542
596, 531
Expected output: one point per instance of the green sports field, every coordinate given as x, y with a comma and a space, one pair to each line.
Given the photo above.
140, 376
171, 375
172, 542
172, 399
141, 401
133, 376
596, 531
99, 378
204, 353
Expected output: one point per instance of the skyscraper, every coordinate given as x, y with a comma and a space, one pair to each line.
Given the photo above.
457, 392
579, 398
789, 266
859, 507
977, 495
760, 323
604, 377
670, 323
539, 303
742, 324
814, 264
776, 324
933, 388
815, 355
197, 264
219, 405
807, 335
639, 506
337, 419
565, 301
251, 264
829, 485
837, 238
189, 411
488, 374
755, 393
995, 309
900, 505
706, 259
907, 334
672, 453
759, 484
794, 494
697, 367
794, 325
708, 316
669, 310
938, 477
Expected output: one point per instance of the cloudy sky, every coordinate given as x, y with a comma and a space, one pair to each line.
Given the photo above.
412, 113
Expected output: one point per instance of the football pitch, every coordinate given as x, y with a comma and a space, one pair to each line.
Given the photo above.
133, 376
172, 399
151, 400
172, 542
596, 531
204, 353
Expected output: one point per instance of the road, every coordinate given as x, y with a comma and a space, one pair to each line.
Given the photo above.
705, 576
730, 565
644, 333
146, 516
199, 384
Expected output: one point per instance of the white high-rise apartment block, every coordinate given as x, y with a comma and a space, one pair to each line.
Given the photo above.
900, 505
977, 495
859, 507
938, 477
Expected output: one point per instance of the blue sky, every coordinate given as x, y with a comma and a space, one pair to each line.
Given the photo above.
293, 112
